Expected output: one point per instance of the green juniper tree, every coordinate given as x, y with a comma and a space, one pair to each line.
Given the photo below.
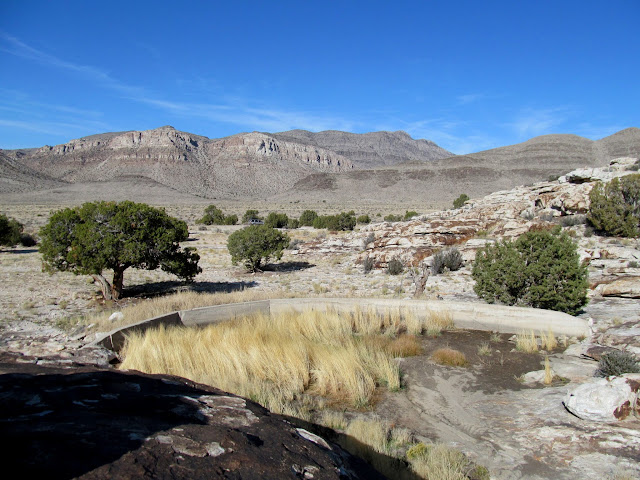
541, 269
255, 244
98, 236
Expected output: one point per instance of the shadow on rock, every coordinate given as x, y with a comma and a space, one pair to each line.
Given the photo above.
95, 423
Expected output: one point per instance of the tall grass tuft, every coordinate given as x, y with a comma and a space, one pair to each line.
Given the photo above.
440, 462
272, 360
527, 342
548, 340
373, 432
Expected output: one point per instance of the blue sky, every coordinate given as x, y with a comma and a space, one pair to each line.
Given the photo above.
469, 75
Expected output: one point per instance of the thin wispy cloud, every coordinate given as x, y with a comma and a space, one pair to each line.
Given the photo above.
469, 98
238, 112
533, 122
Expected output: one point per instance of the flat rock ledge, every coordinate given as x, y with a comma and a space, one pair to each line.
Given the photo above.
95, 423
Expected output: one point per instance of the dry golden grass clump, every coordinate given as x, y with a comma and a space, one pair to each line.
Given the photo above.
548, 340
273, 360
527, 342
450, 357
440, 462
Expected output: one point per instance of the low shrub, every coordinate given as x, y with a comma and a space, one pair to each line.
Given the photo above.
28, 240
448, 260
214, 216
393, 218
367, 264
541, 269
307, 218
364, 219
617, 363
449, 357
395, 267
276, 220
460, 201
342, 221
250, 215
573, 220
409, 214
615, 207
10, 231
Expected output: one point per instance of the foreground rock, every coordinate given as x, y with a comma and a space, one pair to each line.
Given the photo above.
100, 423
606, 399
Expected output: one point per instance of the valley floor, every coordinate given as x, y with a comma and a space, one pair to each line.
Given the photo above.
516, 430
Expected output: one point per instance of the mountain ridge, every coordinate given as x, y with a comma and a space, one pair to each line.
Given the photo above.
297, 165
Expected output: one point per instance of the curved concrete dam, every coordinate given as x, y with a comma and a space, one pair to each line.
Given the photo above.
472, 316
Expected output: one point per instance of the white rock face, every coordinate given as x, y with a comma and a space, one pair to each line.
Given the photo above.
116, 317
605, 399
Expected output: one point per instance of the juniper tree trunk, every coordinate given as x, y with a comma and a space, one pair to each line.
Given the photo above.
105, 286
116, 285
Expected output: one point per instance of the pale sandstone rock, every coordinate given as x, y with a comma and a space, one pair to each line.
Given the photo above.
605, 399
628, 287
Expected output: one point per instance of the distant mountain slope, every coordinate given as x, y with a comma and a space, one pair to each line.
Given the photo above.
287, 167
437, 183
370, 150
17, 177
246, 164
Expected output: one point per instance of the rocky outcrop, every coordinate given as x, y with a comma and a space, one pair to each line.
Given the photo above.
93, 423
606, 399
504, 214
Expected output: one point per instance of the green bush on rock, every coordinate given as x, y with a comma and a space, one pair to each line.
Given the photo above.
615, 207
541, 269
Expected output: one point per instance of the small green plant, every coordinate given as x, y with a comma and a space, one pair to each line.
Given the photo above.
276, 220
633, 264
615, 207
363, 219
484, 349
395, 267
460, 201
448, 260
617, 363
